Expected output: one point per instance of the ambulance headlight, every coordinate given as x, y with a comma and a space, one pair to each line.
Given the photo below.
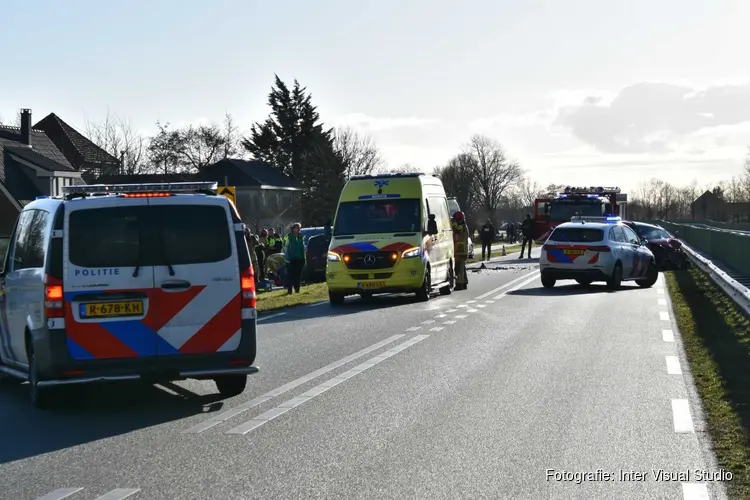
333, 257
411, 252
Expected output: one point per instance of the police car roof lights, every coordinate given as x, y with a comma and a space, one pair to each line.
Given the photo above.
165, 187
587, 218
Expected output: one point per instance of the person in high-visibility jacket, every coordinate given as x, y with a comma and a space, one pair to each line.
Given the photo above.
460, 249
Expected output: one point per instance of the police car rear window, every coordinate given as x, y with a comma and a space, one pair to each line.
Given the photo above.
195, 234
577, 235
149, 236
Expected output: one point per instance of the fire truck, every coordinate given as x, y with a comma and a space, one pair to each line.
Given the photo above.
556, 208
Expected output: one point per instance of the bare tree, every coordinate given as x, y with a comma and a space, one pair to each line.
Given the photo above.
358, 152
188, 149
495, 173
163, 150
407, 168
459, 180
527, 191
116, 136
232, 139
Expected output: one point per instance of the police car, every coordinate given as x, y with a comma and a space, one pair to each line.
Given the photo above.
589, 249
128, 282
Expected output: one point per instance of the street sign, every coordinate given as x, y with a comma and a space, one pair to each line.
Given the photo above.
229, 192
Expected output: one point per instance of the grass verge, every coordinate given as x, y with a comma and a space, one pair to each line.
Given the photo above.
278, 299
716, 336
497, 249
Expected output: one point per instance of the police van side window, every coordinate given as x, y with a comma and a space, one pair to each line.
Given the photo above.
108, 237
194, 234
29, 247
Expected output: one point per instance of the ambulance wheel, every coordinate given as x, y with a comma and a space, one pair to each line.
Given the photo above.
652, 276
615, 281
423, 294
231, 385
336, 299
583, 281
548, 282
40, 397
447, 289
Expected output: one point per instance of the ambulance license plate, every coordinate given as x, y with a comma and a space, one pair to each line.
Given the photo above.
372, 284
573, 251
112, 309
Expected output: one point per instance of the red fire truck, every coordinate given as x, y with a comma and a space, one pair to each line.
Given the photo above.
556, 208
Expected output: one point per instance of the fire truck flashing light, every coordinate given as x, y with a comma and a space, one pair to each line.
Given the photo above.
591, 190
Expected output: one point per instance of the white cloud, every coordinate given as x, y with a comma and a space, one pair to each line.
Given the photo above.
372, 124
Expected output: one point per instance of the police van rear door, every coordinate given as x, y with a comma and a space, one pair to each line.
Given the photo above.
197, 279
108, 295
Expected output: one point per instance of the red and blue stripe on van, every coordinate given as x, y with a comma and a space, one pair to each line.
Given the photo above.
140, 337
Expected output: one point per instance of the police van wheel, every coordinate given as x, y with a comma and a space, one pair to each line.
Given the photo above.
231, 385
548, 282
336, 299
652, 276
423, 294
40, 397
615, 281
447, 289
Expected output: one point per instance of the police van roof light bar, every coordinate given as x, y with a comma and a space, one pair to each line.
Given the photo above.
165, 187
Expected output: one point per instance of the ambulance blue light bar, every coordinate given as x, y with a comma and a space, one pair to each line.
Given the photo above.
164, 187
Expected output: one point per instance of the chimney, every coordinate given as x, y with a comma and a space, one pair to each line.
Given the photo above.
26, 126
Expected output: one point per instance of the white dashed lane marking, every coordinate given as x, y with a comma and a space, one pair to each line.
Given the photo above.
452, 310
462, 305
440, 316
461, 316
681, 418
470, 301
320, 389
489, 301
480, 305
660, 291
664, 315
226, 415
449, 322
662, 302
472, 310
413, 328
673, 365
694, 491
117, 494
436, 329
667, 335
428, 322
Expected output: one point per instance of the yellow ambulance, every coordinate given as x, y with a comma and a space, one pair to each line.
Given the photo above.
392, 234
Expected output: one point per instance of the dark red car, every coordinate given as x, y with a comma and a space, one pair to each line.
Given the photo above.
667, 249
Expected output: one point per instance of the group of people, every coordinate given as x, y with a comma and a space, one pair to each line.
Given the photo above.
274, 256
488, 233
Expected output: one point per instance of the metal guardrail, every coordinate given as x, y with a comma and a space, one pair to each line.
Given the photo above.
736, 291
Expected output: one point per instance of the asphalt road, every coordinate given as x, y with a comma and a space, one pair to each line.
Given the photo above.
505, 390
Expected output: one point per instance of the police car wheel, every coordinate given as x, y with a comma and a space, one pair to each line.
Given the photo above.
39, 396
548, 282
231, 385
652, 276
616, 280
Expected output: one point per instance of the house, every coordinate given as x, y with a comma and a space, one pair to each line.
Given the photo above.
711, 206
85, 156
265, 197
30, 166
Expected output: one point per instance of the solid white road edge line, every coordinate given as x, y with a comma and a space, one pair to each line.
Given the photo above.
673, 366
288, 387
263, 318
667, 335
664, 315
320, 389
518, 286
510, 283
683, 421
694, 491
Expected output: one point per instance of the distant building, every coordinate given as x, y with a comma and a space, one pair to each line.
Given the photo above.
711, 206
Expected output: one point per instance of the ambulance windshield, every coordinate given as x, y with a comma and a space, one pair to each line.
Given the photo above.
378, 216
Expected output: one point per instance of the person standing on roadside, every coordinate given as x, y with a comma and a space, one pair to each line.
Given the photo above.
294, 257
460, 249
260, 252
527, 231
487, 235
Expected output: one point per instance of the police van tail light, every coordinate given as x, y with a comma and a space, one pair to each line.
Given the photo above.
248, 288
53, 297
599, 248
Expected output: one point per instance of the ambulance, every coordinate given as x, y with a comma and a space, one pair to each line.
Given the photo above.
391, 234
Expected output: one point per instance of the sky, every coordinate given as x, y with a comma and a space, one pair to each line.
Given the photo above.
593, 92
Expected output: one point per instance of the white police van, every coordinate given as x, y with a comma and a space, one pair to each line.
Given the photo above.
589, 249
128, 282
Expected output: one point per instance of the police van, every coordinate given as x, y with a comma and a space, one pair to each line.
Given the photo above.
127, 282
